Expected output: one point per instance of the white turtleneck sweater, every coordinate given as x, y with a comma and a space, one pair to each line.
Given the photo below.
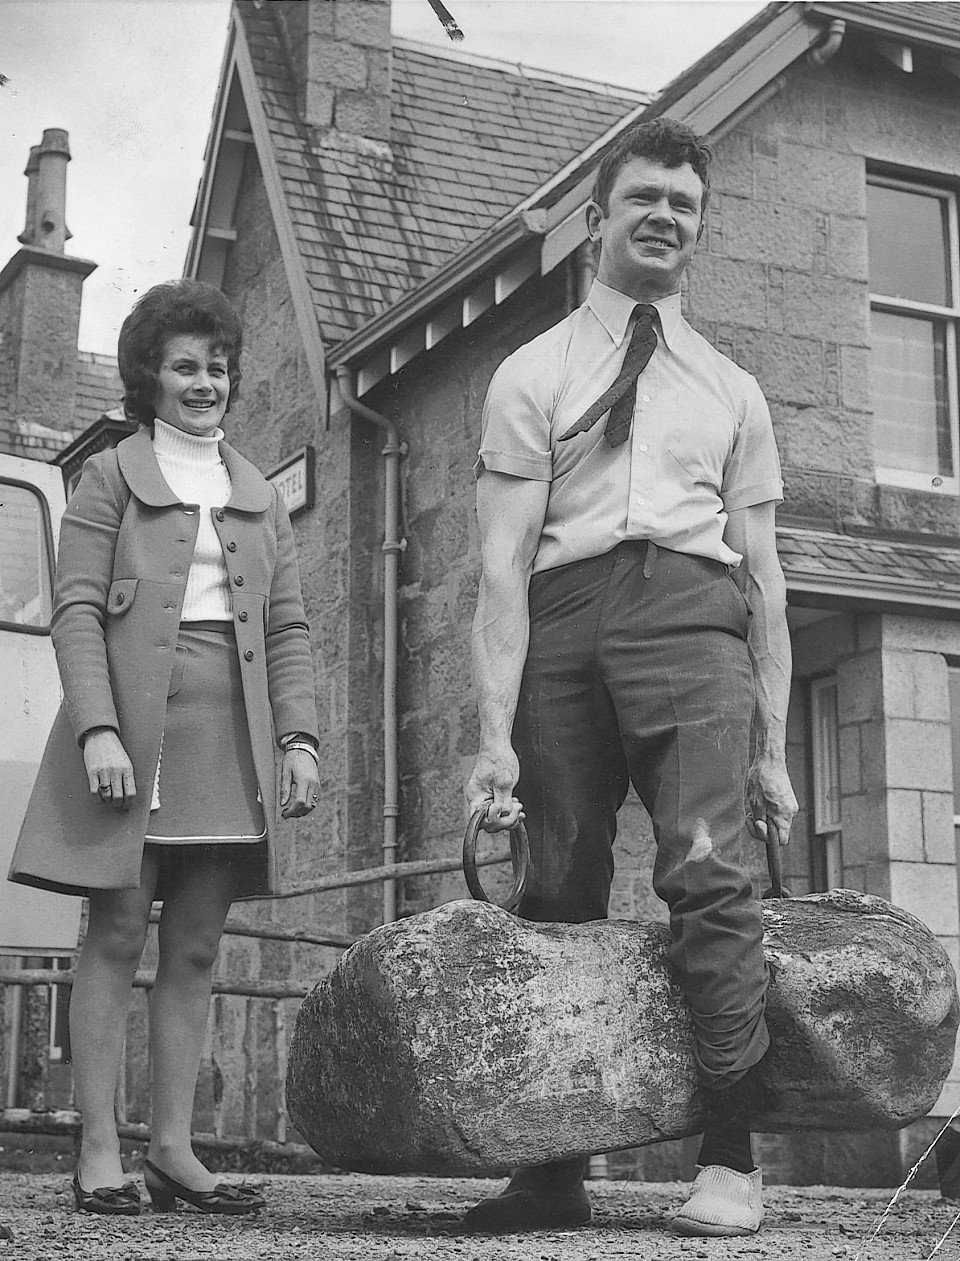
194, 471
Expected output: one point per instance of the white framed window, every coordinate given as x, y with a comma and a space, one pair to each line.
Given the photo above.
954, 676
914, 262
825, 748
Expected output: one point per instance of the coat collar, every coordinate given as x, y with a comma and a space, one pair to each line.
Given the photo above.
249, 489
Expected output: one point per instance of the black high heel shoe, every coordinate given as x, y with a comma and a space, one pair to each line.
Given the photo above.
124, 1200
225, 1197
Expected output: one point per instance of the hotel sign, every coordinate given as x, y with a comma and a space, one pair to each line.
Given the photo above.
294, 479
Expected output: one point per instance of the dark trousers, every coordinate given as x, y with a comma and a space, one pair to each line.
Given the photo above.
645, 677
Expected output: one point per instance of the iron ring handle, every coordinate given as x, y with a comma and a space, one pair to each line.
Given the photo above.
519, 859
777, 888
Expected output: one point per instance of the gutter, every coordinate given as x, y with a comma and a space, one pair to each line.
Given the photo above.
392, 546
816, 57
881, 22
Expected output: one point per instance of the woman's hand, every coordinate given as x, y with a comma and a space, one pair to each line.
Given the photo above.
109, 770
299, 784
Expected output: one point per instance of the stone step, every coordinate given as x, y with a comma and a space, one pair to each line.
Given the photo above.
465, 1039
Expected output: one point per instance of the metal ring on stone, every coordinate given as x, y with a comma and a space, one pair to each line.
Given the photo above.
519, 859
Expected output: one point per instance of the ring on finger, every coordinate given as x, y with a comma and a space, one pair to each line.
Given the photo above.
105, 789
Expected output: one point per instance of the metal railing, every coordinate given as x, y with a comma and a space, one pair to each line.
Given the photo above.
41, 1120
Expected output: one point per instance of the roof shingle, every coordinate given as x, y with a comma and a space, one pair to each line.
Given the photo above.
470, 140
868, 569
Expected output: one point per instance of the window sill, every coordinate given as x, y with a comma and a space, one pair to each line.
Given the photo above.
907, 480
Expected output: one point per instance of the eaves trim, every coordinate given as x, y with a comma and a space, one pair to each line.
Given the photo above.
468, 268
239, 63
869, 593
887, 26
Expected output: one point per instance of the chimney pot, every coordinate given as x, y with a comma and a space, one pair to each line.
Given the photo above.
30, 171
46, 223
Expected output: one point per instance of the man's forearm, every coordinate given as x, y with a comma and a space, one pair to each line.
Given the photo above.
771, 658
501, 632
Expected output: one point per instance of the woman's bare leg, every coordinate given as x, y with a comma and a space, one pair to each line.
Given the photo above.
99, 1006
190, 929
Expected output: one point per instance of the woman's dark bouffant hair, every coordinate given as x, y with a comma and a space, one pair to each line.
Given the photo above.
173, 309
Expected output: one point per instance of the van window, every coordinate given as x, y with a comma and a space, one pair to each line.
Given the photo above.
25, 559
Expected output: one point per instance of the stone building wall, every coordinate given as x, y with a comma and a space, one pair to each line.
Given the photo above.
781, 280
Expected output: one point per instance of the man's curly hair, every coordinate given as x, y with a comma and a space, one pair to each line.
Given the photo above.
664, 140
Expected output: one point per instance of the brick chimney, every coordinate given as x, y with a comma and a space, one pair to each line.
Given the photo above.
40, 293
340, 51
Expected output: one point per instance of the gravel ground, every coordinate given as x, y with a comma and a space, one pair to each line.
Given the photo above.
353, 1218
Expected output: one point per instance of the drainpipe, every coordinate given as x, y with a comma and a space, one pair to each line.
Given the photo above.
820, 55
392, 546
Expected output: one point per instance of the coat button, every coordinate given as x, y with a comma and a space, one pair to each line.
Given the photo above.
242, 616
231, 547
239, 580
248, 655
220, 514
120, 598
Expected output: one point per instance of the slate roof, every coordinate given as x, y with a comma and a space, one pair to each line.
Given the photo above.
869, 570
470, 140
98, 391
99, 388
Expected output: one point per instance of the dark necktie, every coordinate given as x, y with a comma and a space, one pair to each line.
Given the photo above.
621, 398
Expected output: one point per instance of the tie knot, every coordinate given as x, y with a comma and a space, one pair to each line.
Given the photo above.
645, 312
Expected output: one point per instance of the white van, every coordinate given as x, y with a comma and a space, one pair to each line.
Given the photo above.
32, 921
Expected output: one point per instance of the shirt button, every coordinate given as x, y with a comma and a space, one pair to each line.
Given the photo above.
643, 446
248, 655
242, 616
238, 580
231, 547
639, 499
220, 515
646, 398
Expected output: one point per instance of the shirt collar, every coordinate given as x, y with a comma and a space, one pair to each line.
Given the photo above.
613, 309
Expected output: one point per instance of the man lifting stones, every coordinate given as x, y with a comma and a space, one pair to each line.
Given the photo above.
631, 627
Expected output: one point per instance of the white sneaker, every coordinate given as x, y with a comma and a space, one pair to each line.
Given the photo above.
722, 1202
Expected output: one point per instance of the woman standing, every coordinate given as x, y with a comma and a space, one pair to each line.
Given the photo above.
185, 660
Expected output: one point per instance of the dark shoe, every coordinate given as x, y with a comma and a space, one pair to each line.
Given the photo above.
225, 1197
124, 1200
546, 1197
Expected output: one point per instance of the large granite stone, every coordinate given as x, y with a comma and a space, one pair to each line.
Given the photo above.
465, 1039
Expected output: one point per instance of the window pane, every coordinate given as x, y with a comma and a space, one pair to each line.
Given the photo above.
907, 239
24, 558
826, 757
908, 385
955, 723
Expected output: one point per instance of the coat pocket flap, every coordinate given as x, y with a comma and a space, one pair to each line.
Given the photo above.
122, 593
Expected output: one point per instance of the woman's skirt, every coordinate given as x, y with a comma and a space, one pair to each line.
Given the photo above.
205, 794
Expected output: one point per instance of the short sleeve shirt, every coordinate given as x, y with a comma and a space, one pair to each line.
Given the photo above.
701, 443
